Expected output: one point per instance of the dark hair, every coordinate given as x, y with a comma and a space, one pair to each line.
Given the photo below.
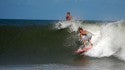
68, 12
80, 28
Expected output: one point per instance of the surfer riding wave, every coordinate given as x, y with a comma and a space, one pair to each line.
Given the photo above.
85, 37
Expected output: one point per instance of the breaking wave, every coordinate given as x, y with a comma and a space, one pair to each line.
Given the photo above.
108, 39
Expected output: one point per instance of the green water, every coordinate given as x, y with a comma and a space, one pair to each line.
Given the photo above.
26, 45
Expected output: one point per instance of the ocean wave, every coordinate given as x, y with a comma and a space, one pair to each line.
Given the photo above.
108, 39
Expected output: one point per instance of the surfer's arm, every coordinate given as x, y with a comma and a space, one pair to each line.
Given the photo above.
81, 36
89, 32
84, 32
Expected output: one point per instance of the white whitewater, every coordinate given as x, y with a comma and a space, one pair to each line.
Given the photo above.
108, 39
72, 25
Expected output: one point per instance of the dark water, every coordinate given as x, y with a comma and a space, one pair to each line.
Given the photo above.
35, 44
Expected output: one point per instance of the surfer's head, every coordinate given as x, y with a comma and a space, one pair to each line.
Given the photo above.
68, 13
80, 29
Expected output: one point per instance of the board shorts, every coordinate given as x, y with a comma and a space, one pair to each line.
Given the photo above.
87, 37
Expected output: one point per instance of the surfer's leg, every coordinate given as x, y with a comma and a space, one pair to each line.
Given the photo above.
84, 43
89, 38
90, 42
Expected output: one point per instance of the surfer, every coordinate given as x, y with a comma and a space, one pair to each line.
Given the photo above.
85, 36
63, 25
68, 17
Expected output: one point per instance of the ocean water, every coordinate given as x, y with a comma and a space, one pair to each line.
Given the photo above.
49, 45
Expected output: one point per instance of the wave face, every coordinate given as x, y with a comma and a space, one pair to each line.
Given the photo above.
29, 41
44, 41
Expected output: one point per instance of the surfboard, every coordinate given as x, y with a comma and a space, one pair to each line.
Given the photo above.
82, 50
78, 52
